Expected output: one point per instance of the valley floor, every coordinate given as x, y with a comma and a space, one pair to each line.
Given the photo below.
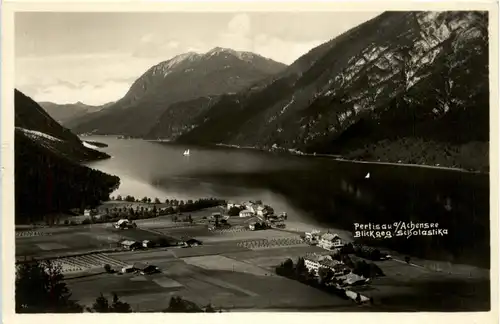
234, 270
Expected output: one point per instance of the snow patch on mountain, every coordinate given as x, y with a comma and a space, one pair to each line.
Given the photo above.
90, 146
244, 56
165, 68
36, 135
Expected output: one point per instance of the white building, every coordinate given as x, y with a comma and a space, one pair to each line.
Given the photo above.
314, 262
246, 213
89, 212
330, 241
231, 205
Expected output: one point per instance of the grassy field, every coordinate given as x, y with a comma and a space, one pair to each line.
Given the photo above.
215, 282
78, 238
234, 269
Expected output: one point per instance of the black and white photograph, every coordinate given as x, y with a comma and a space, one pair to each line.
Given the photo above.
228, 161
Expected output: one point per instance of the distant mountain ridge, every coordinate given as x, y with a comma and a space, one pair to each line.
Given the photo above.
418, 76
66, 113
185, 77
37, 125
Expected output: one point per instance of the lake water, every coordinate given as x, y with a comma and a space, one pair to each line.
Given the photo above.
318, 191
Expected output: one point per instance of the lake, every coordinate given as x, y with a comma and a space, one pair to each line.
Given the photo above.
318, 191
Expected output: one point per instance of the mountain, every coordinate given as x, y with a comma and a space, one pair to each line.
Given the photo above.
35, 123
48, 175
183, 78
403, 87
65, 113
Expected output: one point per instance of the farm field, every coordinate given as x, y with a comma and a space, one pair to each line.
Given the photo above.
56, 241
205, 280
232, 269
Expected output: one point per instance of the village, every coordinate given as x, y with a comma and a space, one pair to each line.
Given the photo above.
211, 251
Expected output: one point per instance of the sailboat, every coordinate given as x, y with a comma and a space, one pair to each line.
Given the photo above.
367, 176
186, 152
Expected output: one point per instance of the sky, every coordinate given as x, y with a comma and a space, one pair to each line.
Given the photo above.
95, 57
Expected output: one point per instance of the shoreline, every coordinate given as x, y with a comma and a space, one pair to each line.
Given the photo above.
338, 158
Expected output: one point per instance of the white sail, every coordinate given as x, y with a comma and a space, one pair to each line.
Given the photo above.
186, 152
367, 176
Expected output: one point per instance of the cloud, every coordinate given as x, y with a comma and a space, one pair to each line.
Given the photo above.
63, 74
91, 79
89, 94
147, 38
240, 36
240, 24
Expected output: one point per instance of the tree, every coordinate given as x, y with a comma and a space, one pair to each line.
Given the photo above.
209, 309
325, 275
120, 307
101, 305
144, 199
167, 201
149, 200
300, 269
358, 298
179, 305
107, 267
234, 211
288, 264
119, 198
40, 289
129, 198
157, 201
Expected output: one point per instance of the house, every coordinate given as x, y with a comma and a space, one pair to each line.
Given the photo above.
264, 211
128, 269
330, 241
246, 213
145, 268
352, 279
250, 206
312, 237
193, 242
148, 244
124, 223
314, 261
89, 212
231, 205
140, 266
150, 269
130, 245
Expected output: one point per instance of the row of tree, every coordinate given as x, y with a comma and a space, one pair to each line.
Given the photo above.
40, 288
167, 201
140, 212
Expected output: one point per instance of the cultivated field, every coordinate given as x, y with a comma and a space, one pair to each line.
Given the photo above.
215, 279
